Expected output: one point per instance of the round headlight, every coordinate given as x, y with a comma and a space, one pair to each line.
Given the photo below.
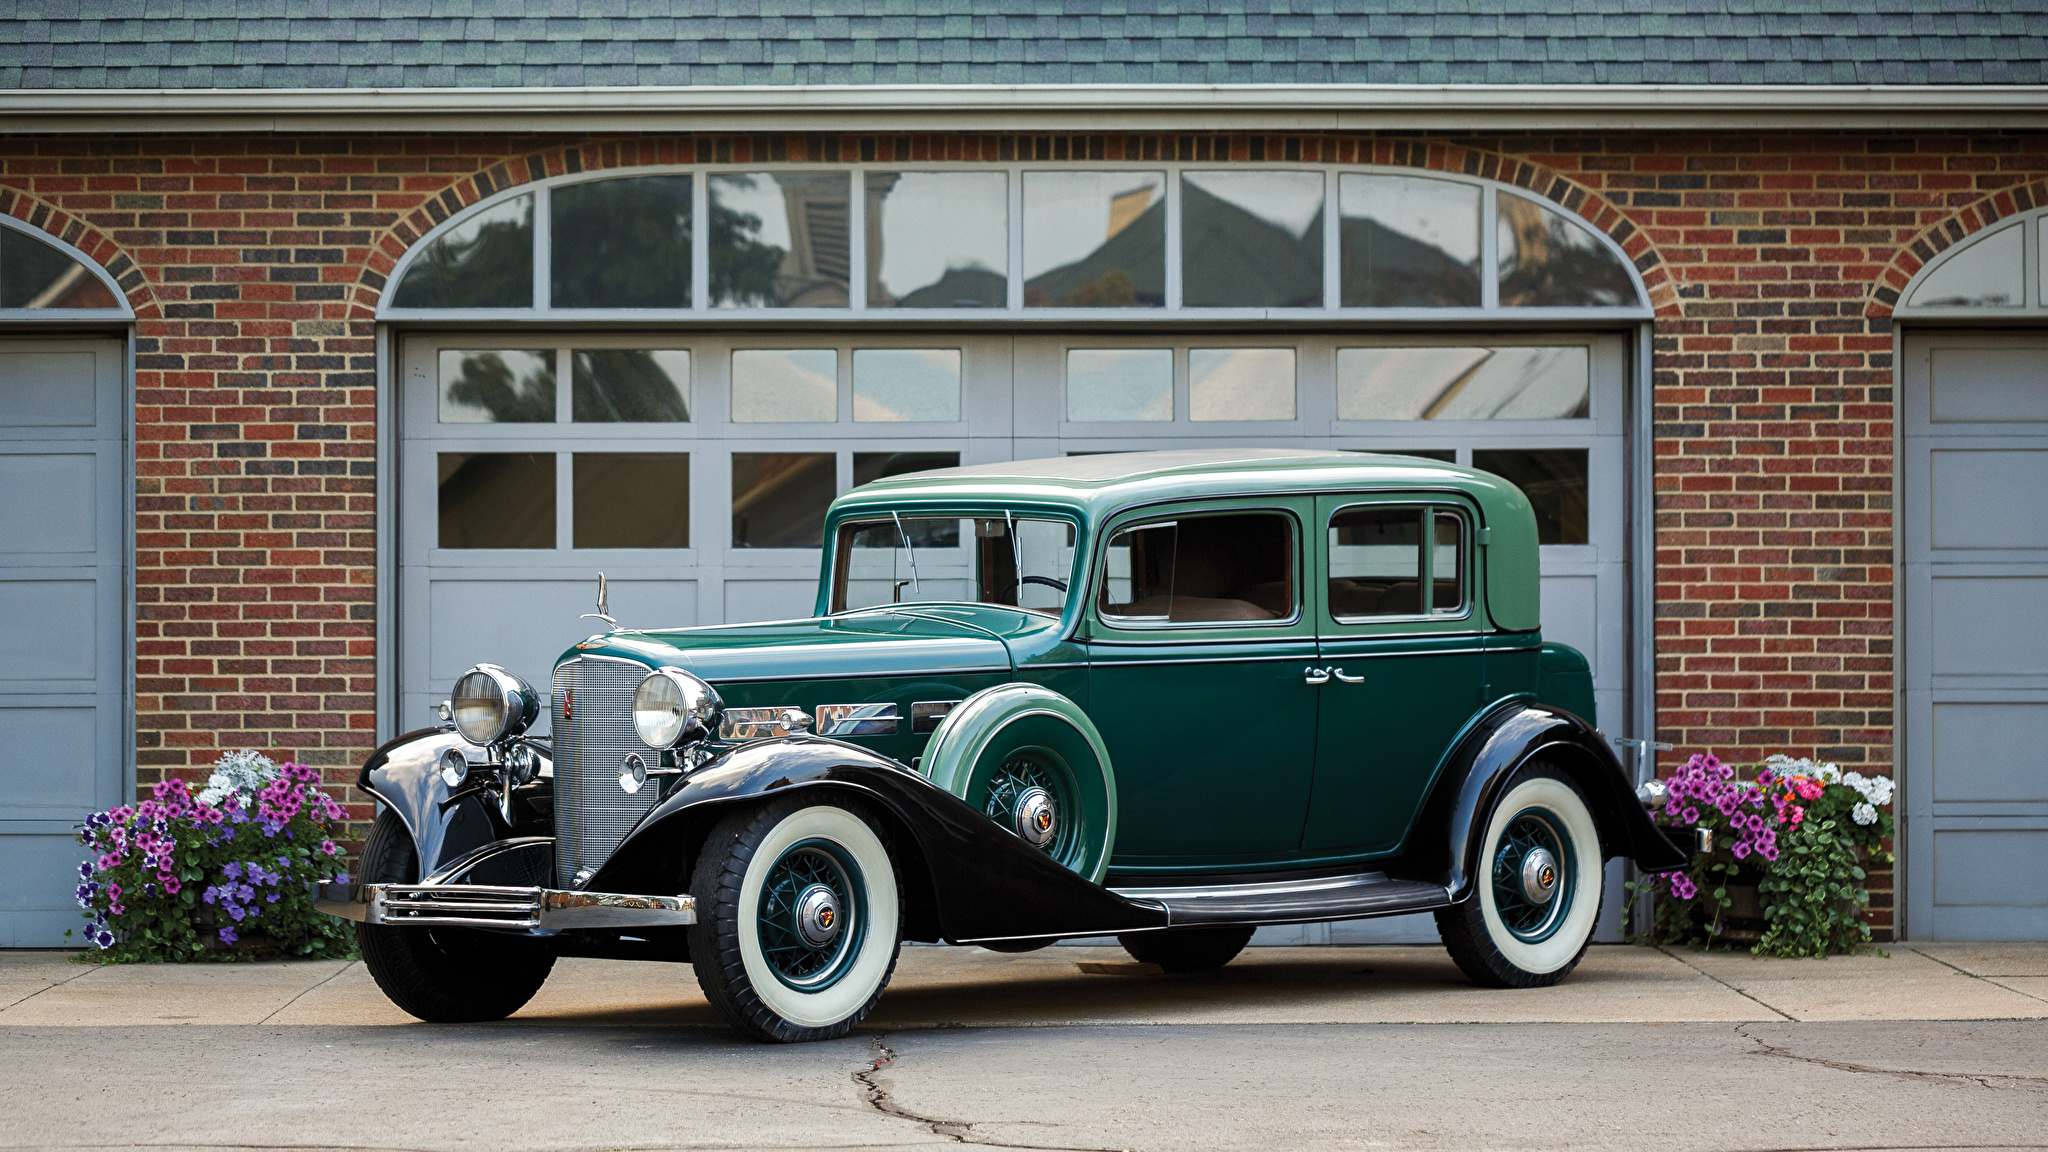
491, 704
671, 706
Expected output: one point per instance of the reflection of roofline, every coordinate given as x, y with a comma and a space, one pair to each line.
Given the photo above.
1032, 107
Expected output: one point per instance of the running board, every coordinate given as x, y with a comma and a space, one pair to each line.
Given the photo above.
1350, 897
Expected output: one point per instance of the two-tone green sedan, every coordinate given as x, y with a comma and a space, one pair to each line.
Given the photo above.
1166, 696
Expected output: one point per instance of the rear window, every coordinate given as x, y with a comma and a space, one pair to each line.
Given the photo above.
1379, 567
1234, 568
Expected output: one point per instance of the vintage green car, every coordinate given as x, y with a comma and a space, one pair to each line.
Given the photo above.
1166, 696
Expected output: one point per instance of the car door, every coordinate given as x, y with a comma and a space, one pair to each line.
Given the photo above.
1401, 643
1198, 636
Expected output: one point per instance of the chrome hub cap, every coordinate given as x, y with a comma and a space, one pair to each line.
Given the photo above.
1539, 876
818, 915
1037, 817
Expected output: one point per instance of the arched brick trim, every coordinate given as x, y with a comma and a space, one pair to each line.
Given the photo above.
1424, 155
54, 221
1968, 221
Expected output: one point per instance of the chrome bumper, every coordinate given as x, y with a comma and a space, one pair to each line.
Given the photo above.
514, 909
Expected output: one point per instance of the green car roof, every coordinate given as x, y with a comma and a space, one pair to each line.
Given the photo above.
1094, 487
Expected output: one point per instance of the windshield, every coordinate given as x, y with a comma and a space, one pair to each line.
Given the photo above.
1019, 561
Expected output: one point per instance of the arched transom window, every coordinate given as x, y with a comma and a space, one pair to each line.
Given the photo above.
1998, 272
43, 278
787, 241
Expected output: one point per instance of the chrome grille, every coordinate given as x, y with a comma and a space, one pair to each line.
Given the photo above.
591, 814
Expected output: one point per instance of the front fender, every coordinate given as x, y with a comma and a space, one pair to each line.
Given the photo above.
1454, 818
984, 882
401, 774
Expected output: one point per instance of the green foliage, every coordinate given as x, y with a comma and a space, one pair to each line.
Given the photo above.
1814, 897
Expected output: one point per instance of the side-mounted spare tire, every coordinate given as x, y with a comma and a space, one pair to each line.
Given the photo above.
1032, 760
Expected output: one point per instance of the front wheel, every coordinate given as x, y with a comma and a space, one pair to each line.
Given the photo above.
797, 920
1538, 887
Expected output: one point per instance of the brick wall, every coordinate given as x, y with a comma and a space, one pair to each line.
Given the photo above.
254, 264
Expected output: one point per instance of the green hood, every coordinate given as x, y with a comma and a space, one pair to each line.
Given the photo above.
948, 638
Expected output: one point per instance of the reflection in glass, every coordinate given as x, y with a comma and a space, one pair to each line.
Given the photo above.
1548, 260
1554, 479
779, 239
632, 500
924, 531
35, 274
1119, 384
1447, 455
1407, 242
1463, 383
1019, 561
1241, 383
1094, 239
1251, 239
906, 384
484, 262
785, 385
1375, 562
497, 386
938, 239
631, 386
497, 499
779, 498
1200, 569
1987, 274
620, 243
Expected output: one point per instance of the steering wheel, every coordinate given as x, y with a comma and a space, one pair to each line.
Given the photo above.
1048, 581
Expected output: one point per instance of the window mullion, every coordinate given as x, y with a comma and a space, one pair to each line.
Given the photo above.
543, 247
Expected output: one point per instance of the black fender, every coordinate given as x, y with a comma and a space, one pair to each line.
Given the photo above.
971, 879
1444, 848
401, 774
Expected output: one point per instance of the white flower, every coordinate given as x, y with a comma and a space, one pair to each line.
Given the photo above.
1828, 774
1863, 814
242, 773
1880, 790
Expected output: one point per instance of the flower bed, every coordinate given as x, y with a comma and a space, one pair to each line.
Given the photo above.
1787, 875
229, 874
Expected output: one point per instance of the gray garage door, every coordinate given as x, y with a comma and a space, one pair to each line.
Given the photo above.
62, 676
1975, 596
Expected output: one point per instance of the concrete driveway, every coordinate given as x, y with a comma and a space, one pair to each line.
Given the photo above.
1074, 1048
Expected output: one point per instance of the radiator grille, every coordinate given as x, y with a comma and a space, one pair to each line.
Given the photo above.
591, 814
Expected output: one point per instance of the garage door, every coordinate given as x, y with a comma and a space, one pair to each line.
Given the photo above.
62, 747
1975, 597
694, 469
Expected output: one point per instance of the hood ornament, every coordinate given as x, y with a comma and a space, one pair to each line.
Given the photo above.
602, 609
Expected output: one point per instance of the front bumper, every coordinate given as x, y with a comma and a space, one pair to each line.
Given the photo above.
508, 908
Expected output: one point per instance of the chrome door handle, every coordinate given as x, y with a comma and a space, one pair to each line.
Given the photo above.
1314, 675
1339, 674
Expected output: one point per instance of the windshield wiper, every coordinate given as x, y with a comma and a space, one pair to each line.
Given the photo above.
907, 547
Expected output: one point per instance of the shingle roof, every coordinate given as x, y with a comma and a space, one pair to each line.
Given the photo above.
73, 44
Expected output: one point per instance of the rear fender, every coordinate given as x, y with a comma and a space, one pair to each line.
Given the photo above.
1454, 818
402, 775
976, 880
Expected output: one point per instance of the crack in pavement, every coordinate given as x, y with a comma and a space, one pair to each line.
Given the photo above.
1723, 983
308, 992
958, 1131
1981, 1079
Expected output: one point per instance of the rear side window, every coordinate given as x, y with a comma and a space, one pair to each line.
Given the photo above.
1235, 568
1379, 566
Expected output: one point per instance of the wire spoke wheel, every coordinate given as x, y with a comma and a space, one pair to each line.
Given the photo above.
1030, 793
812, 915
1532, 881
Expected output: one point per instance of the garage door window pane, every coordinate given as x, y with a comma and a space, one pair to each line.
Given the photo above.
631, 385
1549, 261
779, 239
1252, 239
921, 384
1408, 242
924, 532
1554, 479
785, 385
484, 262
1375, 562
498, 386
1463, 383
1119, 384
1094, 239
779, 498
1241, 383
938, 239
620, 243
34, 274
497, 500
632, 500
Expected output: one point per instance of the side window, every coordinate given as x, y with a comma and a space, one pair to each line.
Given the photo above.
1200, 569
1379, 567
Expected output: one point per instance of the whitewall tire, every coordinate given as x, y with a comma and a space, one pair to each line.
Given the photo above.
1537, 887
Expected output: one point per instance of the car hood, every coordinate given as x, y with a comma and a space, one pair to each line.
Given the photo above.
877, 642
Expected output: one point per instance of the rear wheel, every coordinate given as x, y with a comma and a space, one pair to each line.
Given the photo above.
797, 920
443, 975
1187, 949
1537, 889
